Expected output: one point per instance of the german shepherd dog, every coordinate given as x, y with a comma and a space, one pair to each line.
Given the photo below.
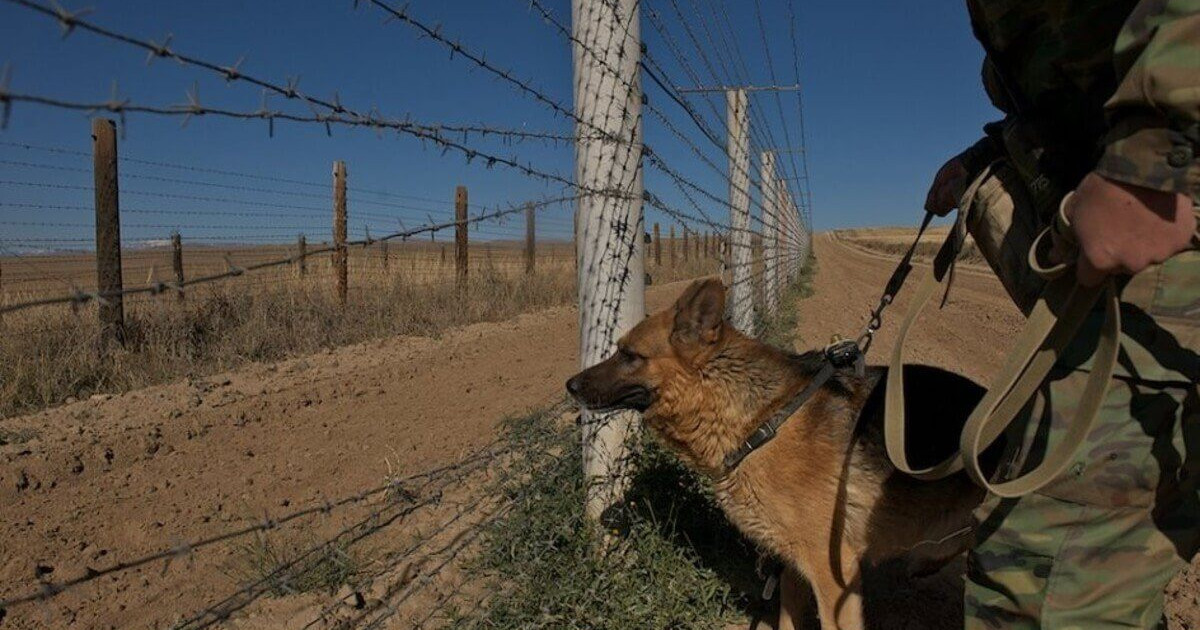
822, 495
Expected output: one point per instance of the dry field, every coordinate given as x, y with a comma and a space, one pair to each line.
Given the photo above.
48, 354
106, 479
895, 241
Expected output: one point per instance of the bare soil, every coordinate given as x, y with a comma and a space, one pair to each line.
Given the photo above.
106, 480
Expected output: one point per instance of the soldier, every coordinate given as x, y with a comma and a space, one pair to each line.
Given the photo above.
1102, 98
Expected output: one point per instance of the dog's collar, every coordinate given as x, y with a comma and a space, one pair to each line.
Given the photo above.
837, 355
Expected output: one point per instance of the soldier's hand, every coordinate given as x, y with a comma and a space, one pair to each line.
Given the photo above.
1122, 228
950, 178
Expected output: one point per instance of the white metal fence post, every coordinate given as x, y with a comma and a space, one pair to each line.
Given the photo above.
608, 223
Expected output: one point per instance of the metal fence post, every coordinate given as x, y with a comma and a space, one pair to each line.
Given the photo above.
108, 232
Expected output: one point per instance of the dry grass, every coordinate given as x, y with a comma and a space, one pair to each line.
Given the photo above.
50, 355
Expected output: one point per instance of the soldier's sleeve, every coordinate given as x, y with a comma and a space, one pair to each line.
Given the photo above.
1154, 115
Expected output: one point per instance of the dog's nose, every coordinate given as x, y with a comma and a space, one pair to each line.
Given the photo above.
573, 385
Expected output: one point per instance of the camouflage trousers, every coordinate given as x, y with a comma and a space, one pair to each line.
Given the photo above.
1095, 549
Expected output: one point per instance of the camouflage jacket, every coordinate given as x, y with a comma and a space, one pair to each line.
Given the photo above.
1115, 82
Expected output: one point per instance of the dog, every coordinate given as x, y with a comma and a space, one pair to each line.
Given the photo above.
822, 495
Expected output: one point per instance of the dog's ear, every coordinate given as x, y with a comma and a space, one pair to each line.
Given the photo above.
700, 312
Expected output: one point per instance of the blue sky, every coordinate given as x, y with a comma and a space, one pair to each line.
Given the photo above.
890, 90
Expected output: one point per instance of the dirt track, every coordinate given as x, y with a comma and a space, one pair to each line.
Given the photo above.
109, 479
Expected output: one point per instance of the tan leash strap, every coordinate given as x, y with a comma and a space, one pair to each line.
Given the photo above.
1042, 341
1053, 323
895, 423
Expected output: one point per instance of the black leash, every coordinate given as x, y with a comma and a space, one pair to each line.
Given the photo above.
893, 287
841, 354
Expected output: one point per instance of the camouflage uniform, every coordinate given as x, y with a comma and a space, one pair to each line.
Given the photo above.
1111, 86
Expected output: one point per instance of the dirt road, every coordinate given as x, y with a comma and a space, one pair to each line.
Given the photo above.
103, 481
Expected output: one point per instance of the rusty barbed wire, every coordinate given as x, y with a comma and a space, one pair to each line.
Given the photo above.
403, 504
79, 297
71, 21
47, 589
402, 15
194, 108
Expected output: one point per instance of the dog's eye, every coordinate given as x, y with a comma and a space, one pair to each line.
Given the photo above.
629, 355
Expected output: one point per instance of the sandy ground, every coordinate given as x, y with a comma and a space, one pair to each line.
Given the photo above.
108, 480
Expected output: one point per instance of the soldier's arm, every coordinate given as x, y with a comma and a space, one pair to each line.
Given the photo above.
1154, 115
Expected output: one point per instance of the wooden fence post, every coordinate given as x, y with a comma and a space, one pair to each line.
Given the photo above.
383, 245
685, 242
177, 262
530, 235
302, 245
340, 254
460, 236
108, 231
671, 245
657, 246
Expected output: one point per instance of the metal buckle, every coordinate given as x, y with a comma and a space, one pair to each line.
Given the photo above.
843, 353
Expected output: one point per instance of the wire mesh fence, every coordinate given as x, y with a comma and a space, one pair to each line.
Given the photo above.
120, 269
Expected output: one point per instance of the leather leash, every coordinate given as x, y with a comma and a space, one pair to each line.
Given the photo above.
1056, 317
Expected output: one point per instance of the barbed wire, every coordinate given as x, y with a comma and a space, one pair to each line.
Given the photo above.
403, 16
71, 21
213, 171
78, 297
806, 207
185, 167
47, 589
405, 502
193, 108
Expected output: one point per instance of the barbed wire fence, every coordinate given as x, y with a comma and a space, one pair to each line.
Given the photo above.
252, 231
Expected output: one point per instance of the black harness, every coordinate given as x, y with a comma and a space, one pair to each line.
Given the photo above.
839, 355
842, 354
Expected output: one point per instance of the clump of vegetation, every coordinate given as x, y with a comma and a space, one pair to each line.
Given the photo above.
667, 557
782, 330
49, 355
16, 436
263, 559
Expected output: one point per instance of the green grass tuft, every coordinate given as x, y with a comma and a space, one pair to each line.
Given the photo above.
783, 330
671, 559
326, 570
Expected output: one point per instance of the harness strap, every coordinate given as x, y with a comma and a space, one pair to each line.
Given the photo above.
767, 430
837, 355
1053, 323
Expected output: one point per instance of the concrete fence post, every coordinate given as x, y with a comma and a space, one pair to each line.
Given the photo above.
609, 228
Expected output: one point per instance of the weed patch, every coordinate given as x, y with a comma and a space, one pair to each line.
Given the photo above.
669, 559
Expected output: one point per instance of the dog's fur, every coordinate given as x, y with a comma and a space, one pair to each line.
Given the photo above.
822, 495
